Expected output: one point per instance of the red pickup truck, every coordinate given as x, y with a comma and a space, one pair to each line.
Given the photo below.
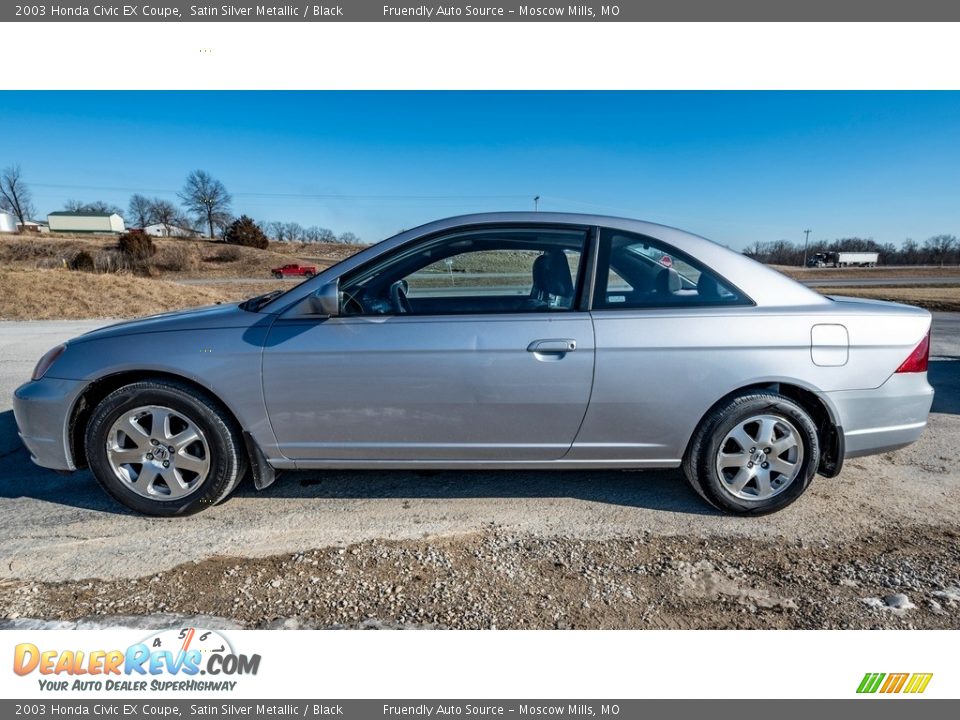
295, 269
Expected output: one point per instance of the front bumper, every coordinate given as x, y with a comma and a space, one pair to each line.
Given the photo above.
884, 418
42, 409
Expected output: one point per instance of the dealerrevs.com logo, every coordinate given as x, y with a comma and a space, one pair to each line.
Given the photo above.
893, 683
185, 659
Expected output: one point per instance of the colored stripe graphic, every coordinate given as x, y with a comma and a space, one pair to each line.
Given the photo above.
870, 682
918, 682
894, 683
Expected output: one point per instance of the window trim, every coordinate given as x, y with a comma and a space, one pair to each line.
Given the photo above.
604, 246
580, 282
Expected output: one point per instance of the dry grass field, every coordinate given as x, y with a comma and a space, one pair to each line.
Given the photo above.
66, 295
885, 271
37, 284
946, 298
175, 258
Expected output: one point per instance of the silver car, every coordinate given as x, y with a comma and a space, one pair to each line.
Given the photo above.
495, 341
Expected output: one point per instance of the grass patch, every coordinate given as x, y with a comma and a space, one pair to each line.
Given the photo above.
944, 299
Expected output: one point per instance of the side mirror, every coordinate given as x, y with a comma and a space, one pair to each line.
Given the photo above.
326, 300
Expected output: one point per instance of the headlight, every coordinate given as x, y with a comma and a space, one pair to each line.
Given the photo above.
47, 361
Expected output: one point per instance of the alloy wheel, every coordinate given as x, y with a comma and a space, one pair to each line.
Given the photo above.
158, 452
760, 457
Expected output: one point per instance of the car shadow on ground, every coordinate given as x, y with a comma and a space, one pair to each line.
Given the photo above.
944, 374
652, 489
662, 490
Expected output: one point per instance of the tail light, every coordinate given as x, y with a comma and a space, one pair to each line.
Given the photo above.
918, 359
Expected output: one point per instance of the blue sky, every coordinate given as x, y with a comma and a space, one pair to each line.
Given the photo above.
734, 166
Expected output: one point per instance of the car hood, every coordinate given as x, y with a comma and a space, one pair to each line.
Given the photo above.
200, 318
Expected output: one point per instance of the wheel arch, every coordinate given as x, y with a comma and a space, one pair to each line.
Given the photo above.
824, 415
98, 389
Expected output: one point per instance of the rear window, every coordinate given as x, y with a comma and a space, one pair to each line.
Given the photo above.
636, 271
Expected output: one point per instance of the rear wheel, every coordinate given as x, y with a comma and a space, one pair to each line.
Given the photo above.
163, 448
308, 274
755, 454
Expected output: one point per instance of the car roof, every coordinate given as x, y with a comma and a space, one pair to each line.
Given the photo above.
764, 285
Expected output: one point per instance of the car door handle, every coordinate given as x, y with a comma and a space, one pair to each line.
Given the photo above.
552, 346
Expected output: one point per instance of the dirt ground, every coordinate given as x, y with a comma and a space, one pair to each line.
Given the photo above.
897, 577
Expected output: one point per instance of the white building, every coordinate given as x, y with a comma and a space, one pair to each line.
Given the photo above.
85, 222
32, 226
174, 231
8, 222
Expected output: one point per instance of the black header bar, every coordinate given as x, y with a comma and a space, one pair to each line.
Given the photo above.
459, 11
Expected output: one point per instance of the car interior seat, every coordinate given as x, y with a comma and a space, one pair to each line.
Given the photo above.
708, 288
552, 284
667, 283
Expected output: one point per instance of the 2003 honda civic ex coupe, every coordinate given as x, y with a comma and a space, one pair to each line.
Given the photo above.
495, 341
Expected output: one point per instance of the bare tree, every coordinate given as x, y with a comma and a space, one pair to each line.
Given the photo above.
325, 235
293, 231
139, 210
223, 221
277, 230
97, 206
165, 213
940, 247
15, 196
315, 233
348, 238
206, 197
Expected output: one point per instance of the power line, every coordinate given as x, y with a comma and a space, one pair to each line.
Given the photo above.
304, 196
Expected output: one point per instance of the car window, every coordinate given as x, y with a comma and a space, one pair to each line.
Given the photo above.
635, 271
505, 270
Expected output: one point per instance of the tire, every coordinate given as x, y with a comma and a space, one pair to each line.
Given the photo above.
773, 480
278, 276
206, 464
308, 275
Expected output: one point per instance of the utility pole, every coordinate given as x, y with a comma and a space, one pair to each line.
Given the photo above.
806, 242
536, 204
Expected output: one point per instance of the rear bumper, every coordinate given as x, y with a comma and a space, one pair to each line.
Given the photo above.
41, 409
884, 418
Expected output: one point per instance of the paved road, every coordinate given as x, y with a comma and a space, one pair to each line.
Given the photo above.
58, 528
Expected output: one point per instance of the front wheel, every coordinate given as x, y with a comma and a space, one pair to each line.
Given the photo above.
754, 454
164, 449
278, 275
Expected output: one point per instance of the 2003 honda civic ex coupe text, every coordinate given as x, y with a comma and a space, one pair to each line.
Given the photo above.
494, 341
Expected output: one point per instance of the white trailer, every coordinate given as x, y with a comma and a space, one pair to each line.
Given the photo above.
856, 259
85, 222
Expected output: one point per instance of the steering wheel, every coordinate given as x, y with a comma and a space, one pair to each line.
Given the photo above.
398, 296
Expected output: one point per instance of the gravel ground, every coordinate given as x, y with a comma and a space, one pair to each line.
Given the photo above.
902, 577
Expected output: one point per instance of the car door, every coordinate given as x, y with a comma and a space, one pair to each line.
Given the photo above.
660, 319
465, 347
